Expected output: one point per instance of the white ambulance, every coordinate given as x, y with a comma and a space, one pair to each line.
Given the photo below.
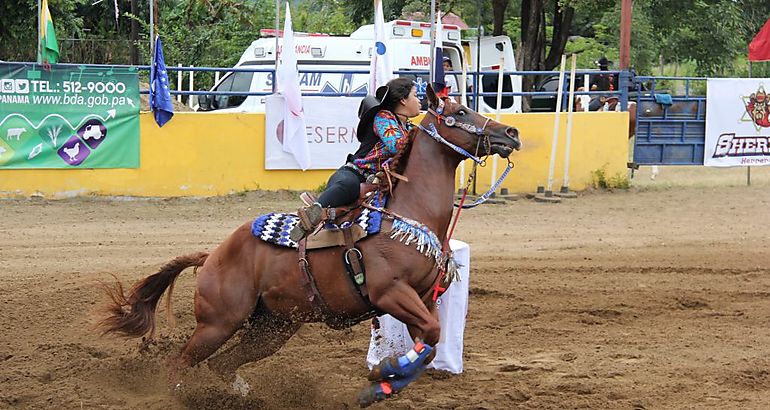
322, 57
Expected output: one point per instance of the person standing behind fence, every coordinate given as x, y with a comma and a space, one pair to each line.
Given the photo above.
602, 82
449, 79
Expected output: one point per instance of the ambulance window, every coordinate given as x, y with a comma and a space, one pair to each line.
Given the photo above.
489, 85
239, 81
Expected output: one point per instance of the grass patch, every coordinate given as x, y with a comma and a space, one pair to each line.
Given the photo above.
320, 188
600, 180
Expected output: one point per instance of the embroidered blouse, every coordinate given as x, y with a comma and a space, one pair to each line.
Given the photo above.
391, 136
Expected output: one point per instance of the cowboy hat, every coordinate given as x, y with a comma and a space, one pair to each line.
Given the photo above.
603, 62
370, 106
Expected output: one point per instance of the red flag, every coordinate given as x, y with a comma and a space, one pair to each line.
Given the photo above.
759, 49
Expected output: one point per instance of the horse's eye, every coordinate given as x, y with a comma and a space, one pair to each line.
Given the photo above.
461, 112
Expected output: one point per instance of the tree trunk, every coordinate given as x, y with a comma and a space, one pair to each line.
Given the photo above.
155, 17
134, 56
532, 34
562, 20
498, 11
532, 40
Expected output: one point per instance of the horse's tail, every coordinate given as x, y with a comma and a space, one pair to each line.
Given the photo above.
133, 315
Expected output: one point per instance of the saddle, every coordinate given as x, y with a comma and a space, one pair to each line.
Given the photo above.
343, 228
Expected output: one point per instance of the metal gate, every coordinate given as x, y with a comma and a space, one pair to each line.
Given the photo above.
670, 129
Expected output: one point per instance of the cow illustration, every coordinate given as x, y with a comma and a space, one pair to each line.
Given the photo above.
15, 133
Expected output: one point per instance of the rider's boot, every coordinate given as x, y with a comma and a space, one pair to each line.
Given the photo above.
309, 218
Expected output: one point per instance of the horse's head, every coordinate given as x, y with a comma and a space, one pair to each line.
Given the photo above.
469, 130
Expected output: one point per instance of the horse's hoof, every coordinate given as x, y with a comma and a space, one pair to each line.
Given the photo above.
373, 393
241, 386
375, 374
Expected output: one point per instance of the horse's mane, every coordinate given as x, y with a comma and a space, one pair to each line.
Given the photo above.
398, 163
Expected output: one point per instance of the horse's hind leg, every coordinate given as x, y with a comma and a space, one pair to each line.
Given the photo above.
223, 301
261, 338
209, 335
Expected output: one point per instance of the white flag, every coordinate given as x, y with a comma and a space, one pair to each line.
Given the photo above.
294, 134
380, 71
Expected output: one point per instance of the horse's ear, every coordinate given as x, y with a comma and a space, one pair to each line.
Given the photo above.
432, 98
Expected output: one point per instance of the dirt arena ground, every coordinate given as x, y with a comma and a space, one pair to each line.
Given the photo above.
653, 298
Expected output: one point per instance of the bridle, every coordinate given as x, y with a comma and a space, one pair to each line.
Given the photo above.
451, 121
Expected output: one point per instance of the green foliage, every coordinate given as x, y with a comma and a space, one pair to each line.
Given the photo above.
335, 20
18, 26
710, 33
600, 180
512, 26
211, 33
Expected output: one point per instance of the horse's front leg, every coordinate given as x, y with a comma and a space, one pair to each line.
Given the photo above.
416, 333
393, 374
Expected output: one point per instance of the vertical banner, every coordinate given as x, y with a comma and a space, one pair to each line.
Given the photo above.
330, 129
737, 123
71, 117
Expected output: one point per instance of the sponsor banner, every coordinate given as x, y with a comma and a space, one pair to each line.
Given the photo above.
737, 122
330, 127
69, 117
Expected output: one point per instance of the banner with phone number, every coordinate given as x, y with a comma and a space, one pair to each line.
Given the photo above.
68, 117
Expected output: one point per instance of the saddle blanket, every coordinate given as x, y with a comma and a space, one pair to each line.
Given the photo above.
275, 227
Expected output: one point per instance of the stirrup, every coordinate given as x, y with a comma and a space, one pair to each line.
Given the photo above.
309, 219
307, 198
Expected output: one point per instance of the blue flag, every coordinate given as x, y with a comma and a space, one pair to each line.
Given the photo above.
160, 95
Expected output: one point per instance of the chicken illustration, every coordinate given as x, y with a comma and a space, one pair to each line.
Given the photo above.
72, 152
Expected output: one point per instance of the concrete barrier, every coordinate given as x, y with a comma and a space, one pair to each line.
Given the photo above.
214, 154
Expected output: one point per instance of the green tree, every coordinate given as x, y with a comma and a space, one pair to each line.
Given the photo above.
335, 20
18, 27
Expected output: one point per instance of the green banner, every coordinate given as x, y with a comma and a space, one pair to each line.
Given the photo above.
68, 117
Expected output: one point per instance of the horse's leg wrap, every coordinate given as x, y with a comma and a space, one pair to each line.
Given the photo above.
404, 366
381, 390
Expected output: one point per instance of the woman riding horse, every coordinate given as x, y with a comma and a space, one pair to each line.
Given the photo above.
382, 132
251, 285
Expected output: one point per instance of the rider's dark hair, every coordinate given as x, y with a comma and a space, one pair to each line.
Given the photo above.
386, 98
396, 90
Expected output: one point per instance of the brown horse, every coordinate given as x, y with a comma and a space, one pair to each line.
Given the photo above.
248, 281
